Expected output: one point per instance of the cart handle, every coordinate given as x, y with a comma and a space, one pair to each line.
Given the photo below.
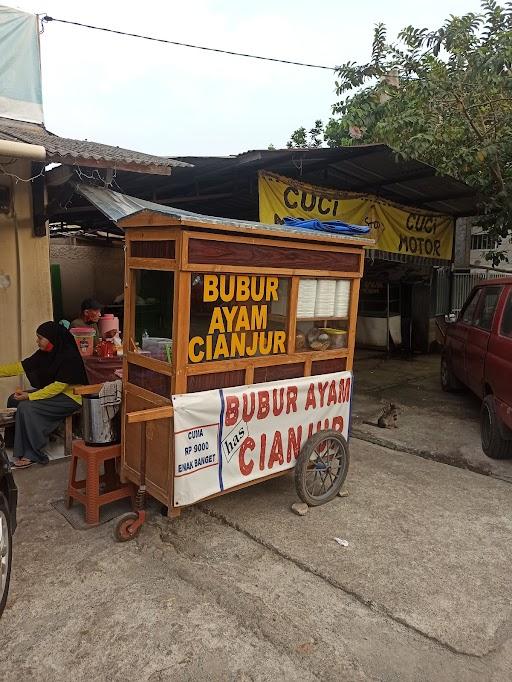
88, 389
150, 415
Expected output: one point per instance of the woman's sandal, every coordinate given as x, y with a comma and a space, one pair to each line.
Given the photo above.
22, 463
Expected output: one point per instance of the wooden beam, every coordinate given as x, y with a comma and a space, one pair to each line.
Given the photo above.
439, 199
88, 390
397, 180
152, 414
170, 201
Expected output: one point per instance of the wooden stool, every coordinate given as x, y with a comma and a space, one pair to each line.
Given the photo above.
92, 499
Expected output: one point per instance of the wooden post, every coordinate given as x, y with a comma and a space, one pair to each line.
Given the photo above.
180, 345
352, 321
291, 329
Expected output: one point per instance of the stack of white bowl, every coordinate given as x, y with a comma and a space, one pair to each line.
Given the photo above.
342, 299
306, 298
325, 298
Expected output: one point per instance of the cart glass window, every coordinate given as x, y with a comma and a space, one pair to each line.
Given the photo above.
154, 290
237, 316
322, 314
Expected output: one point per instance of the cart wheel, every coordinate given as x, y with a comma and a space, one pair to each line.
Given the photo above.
124, 529
322, 467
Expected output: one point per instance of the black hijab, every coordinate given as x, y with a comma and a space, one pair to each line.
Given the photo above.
63, 363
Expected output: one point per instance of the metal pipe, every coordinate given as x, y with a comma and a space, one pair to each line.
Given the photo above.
22, 150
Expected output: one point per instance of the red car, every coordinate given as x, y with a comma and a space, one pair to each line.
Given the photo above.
478, 354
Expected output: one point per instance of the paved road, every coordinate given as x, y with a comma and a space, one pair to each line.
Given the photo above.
432, 423
241, 589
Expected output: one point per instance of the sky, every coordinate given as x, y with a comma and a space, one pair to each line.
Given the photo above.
176, 101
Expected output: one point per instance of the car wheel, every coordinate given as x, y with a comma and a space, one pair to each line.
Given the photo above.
493, 443
449, 381
5, 551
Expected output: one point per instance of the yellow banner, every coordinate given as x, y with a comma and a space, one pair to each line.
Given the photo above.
396, 229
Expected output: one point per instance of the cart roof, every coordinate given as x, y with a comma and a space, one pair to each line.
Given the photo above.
121, 207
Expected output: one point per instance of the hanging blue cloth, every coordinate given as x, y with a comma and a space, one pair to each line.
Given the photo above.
333, 226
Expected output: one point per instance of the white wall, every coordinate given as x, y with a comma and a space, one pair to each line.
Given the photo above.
477, 256
463, 227
86, 271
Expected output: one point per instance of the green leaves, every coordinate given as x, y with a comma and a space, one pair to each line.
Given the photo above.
442, 96
312, 139
379, 44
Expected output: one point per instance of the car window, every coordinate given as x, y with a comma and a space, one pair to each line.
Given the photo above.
506, 320
469, 309
486, 307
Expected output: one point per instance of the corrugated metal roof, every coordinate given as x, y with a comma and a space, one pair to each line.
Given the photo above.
83, 152
377, 254
367, 168
117, 206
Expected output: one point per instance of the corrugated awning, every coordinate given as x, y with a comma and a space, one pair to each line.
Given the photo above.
116, 207
68, 151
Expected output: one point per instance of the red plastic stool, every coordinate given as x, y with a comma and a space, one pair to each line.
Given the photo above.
87, 491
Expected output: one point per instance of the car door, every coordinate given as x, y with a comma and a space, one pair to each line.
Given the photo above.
457, 335
498, 365
478, 338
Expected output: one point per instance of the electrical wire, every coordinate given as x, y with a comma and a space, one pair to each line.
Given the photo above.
17, 177
47, 18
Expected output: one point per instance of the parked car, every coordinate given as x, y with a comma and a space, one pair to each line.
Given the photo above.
478, 354
8, 503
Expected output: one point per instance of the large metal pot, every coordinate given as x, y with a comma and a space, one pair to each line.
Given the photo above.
95, 430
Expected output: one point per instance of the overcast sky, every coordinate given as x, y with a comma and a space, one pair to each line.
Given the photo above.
172, 100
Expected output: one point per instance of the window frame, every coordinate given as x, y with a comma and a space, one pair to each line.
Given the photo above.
508, 302
476, 296
480, 303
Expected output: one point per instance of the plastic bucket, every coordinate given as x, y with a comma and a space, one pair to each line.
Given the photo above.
84, 337
107, 323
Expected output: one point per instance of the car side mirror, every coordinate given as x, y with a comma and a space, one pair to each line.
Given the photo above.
452, 317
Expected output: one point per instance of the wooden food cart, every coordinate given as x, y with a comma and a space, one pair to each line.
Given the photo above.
214, 306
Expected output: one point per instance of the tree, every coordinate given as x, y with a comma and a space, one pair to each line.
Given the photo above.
443, 97
310, 140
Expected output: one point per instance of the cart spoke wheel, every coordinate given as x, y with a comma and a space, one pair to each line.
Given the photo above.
125, 528
322, 467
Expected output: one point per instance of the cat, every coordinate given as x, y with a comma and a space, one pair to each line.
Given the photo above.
388, 418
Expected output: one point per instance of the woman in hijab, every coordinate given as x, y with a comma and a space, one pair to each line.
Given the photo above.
53, 371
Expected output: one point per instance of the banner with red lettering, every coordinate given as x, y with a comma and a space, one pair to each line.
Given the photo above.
226, 437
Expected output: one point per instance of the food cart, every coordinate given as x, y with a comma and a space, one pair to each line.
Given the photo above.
238, 350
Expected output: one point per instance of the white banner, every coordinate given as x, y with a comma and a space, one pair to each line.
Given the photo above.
21, 96
229, 436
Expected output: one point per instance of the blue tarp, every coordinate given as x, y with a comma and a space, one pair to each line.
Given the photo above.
334, 226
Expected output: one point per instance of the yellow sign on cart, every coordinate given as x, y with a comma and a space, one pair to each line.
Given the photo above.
396, 229
238, 326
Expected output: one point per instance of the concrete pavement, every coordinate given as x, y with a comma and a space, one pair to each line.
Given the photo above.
241, 589
431, 423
